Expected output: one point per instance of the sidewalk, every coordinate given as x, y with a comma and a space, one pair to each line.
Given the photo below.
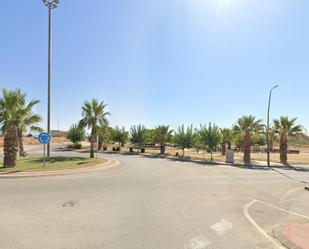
295, 236
41, 173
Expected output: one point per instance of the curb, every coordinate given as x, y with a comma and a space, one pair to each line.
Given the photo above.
61, 172
284, 240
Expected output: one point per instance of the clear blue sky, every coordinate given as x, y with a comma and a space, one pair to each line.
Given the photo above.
161, 62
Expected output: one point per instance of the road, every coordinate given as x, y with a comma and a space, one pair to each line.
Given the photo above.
150, 203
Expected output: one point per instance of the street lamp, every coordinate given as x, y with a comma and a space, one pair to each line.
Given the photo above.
267, 129
50, 4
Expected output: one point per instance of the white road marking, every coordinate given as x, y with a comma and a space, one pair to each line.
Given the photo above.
222, 227
197, 243
271, 239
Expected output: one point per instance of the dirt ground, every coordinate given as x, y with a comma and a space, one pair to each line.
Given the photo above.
258, 158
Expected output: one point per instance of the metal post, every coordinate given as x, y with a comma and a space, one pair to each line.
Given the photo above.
49, 75
267, 129
44, 154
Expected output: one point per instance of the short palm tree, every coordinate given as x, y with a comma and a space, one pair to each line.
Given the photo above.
245, 128
210, 136
163, 135
184, 138
10, 116
286, 128
227, 139
27, 121
94, 116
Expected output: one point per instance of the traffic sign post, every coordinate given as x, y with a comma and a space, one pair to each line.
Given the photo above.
44, 138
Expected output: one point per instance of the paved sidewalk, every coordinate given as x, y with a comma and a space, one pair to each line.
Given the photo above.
41, 173
295, 236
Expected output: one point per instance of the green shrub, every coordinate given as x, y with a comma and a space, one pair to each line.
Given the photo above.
114, 149
131, 149
177, 154
118, 149
142, 150
77, 146
104, 148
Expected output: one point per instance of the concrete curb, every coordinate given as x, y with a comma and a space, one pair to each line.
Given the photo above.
61, 172
284, 241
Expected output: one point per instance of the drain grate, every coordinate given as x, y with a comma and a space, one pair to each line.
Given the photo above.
70, 204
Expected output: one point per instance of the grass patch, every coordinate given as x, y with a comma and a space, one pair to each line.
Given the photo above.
54, 163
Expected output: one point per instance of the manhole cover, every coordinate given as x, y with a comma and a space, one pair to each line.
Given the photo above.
70, 204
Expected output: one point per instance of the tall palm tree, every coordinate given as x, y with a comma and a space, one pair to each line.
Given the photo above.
286, 128
10, 116
227, 139
163, 135
245, 128
94, 116
27, 121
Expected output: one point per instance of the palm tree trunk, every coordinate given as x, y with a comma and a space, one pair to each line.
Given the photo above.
21, 144
100, 144
223, 149
247, 149
183, 152
10, 147
283, 149
92, 143
162, 148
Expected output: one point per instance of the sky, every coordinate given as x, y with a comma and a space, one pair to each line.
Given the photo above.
160, 61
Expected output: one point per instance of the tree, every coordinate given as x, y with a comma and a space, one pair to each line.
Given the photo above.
105, 135
162, 135
137, 134
94, 116
184, 138
120, 136
286, 128
28, 121
211, 137
150, 137
11, 114
227, 139
245, 128
76, 134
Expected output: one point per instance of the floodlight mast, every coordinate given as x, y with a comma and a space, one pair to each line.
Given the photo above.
50, 4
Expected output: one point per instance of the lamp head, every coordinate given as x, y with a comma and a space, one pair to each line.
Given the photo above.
51, 3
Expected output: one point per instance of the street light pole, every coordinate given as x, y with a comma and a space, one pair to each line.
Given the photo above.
50, 4
267, 129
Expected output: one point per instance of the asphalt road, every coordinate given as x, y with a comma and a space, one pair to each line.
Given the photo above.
148, 203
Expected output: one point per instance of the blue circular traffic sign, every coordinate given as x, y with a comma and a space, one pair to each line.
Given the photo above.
44, 138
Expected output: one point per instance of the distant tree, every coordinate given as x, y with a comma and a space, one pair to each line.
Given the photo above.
210, 136
120, 136
76, 134
94, 116
137, 134
286, 128
150, 136
163, 135
227, 139
245, 128
184, 138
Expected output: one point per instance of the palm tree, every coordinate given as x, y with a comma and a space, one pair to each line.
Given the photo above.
210, 136
94, 116
27, 121
245, 128
227, 139
163, 135
184, 138
137, 135
286, 128
10, 116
